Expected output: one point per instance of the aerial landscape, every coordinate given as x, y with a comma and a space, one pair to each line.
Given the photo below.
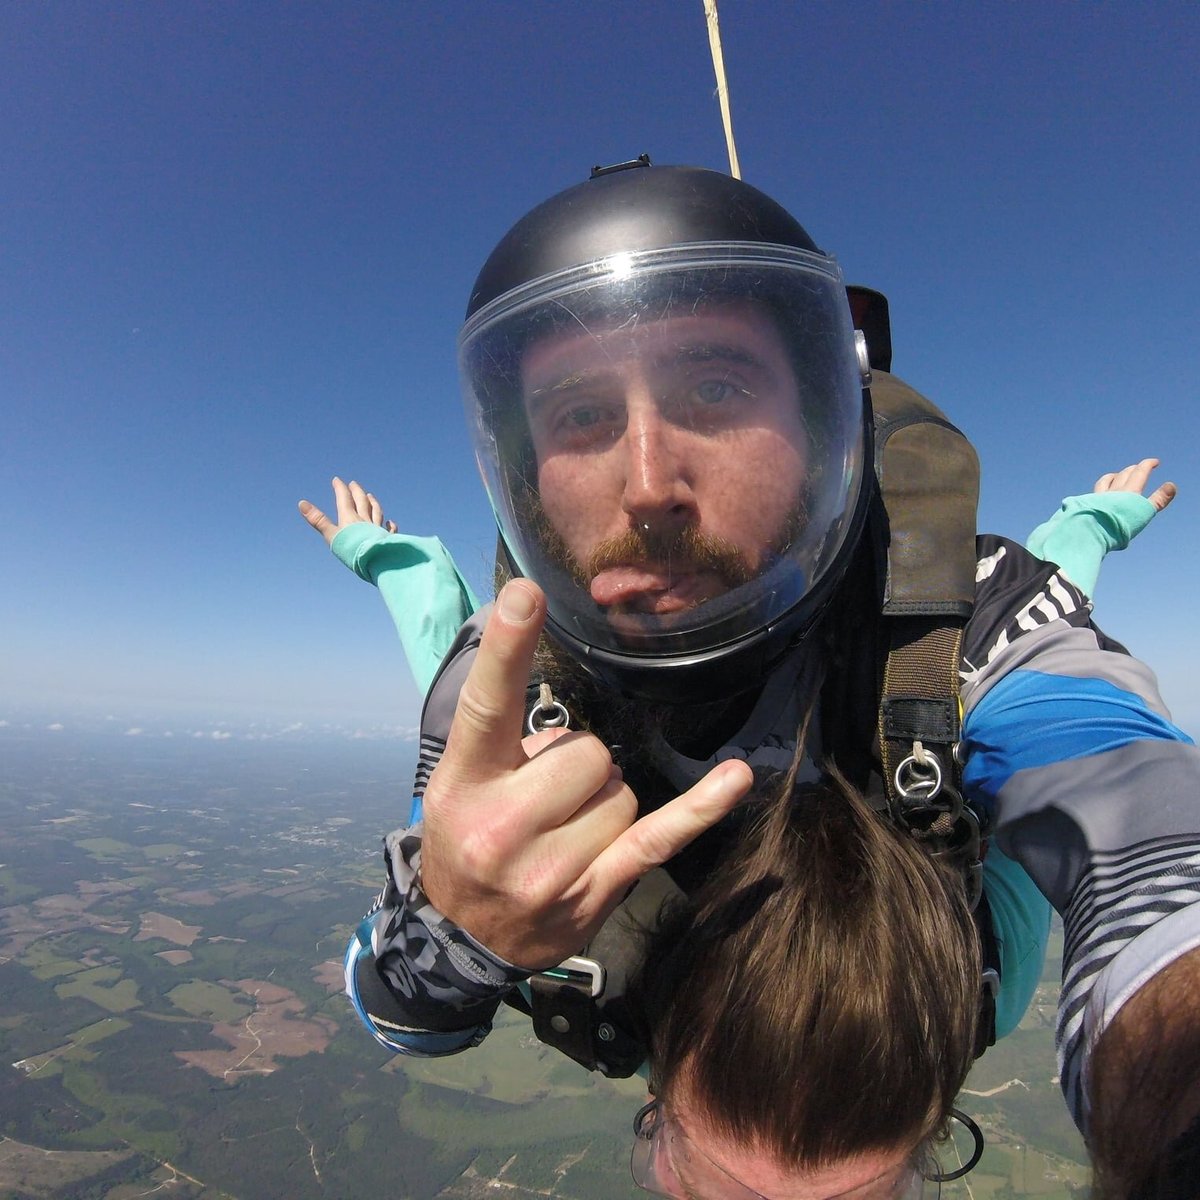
172, 917
239, 244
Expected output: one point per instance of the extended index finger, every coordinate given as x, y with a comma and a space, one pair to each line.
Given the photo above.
661, 834
485, 735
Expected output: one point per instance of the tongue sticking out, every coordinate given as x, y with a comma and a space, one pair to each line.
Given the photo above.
647, 590
623, 585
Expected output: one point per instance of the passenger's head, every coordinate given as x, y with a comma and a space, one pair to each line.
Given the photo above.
811, 1013
665, 393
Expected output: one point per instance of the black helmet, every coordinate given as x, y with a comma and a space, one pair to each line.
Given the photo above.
663, 387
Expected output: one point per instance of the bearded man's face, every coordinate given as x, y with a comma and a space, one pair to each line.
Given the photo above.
671, 456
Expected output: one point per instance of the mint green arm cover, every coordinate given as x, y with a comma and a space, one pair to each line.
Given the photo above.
1085, 529
1021, 923
425, 593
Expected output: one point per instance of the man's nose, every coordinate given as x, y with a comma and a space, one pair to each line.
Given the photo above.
659, 490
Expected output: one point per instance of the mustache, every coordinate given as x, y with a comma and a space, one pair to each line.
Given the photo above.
679, 550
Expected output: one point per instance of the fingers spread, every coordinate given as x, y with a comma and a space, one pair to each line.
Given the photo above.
660, 835
1130, 479
485, 735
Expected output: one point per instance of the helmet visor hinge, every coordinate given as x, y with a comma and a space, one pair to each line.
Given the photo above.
642, 160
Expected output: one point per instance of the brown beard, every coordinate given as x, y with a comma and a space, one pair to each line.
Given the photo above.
680, 551
629, 727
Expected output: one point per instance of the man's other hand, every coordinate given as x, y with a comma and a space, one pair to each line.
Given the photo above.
1134, 479
353, 504
530, 843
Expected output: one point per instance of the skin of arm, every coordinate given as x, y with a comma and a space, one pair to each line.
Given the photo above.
1145, 1091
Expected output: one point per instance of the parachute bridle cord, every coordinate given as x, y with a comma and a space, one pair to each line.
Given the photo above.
547, 713
714, 44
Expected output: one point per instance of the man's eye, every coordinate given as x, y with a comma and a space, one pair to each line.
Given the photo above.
581, 417
585, 423
718, 391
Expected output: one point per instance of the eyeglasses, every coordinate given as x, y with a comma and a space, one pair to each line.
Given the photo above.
664, 1161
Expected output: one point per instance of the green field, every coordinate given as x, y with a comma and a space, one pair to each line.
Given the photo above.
76, 1049
105, 847
165, 850
42, 960
212, 1001
104, 987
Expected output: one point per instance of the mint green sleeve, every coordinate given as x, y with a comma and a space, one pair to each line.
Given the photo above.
1086, 528
424, 591
1021, 923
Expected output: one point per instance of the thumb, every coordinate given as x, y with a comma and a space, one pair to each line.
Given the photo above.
1163, 496
661, 835
318, 520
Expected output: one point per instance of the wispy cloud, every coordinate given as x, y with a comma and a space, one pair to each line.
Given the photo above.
147, 726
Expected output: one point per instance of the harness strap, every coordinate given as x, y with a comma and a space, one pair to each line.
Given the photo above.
989, 953
920, 703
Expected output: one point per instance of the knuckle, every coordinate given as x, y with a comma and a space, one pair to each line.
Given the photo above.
477, 854
653, 843
477, 710
596, 754
628, 804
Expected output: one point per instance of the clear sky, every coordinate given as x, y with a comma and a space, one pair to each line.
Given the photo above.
236, 242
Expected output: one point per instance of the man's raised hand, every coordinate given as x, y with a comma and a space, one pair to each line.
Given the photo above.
1134, 479
530, 843
353, 505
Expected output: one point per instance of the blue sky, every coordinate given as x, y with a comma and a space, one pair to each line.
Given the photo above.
238, 240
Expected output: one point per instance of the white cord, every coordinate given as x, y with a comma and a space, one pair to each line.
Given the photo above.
714, 43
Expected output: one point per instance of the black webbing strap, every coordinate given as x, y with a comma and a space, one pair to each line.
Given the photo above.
989, 953
920, 703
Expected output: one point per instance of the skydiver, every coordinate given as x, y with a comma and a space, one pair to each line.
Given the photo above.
665, 402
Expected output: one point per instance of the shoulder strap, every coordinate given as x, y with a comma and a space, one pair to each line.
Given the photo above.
928, 478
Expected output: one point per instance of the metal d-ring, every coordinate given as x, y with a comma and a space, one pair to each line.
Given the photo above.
548, 716
925, 779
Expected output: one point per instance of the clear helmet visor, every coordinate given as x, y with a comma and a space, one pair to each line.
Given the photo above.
672, 440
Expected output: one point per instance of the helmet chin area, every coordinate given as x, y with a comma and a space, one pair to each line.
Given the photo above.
672, 441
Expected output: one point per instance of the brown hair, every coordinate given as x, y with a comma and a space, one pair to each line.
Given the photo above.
818, 997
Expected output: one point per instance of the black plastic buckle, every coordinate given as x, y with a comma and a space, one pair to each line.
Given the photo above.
563, 1000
